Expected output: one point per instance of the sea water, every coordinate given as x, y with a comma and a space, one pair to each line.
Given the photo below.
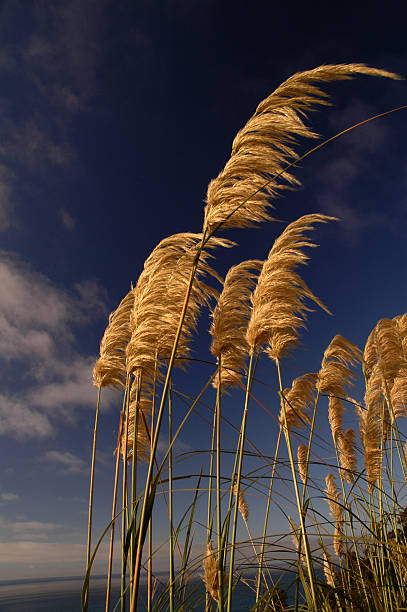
64, 595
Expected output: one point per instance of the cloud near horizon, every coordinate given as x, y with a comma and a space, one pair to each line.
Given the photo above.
39, 323
68, 461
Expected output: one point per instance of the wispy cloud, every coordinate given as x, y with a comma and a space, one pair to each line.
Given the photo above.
69, 462
7, 213
56, 63
21, 421
38, 326
67, 220
9, 497
12, 531
345, 165
31, 556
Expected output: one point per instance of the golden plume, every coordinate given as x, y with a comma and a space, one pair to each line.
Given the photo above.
255, 173
334, 377
278, 300
347, 453
143, 408
296, 401
398, 396
110, 368
369, 354
243, 507
390, 356
230, 319
302, 452
333, 499
335, 373
328, 568
160, 295
296, 540
372, 427
401, 322
211, 575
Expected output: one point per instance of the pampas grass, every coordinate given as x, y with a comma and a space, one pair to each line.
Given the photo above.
260, 307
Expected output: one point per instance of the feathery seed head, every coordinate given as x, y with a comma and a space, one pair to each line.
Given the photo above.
243, 508
296, 401
369, 354
398, 396
389, 351
333, 498
230, 319
110, 368
335, 411
160, 295
211, 575
278, 300
302, 452
338, 540
328, 569
373, 428
335, 373
143, 409
347, 453
401, 322
296, 540
255, 173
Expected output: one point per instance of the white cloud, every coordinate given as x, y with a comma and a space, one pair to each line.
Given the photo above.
27, 526
13, 531
38, 327
26, 551
345, 164
31, 145
57, 60
6, 198
20, 421
29, 302
369, 137
70, 462
352, 221
9, 497
92, 299
67, 220
28, 556
28, 299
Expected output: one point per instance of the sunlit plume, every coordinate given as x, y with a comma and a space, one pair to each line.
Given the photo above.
230, 319
110, 368
256, 171
297, 401
279, 311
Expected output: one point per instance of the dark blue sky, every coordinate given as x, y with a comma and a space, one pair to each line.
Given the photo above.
114, 117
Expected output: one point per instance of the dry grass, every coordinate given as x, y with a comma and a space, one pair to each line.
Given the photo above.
262, 308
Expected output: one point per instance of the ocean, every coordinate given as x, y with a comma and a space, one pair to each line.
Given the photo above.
64, 595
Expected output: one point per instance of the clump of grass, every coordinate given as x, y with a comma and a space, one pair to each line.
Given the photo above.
262, 308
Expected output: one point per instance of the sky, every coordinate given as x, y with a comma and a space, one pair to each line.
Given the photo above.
114, 116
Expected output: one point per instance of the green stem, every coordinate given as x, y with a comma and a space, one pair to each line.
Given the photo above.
266, 518
218, 498
134, 471
171, 542
237, 484
125, 518
114, 507
209, 512
297, 496
157, 429
150, 524
92, 476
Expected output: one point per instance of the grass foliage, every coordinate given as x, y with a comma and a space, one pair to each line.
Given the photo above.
341, 501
